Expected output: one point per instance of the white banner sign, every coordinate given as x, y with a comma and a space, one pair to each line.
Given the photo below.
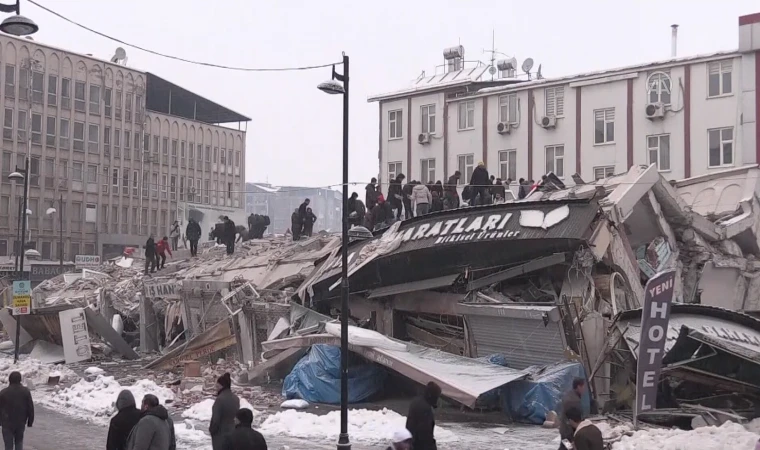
162, 290
75, 335
86, 261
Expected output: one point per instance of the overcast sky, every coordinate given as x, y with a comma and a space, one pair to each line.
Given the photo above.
294, 137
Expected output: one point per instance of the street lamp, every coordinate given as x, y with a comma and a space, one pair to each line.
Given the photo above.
18, 175
334, 87
17, 25
50, 211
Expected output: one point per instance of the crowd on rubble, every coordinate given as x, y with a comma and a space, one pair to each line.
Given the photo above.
404, 201
302, 221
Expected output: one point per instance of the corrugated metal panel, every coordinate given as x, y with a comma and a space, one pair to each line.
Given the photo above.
525, 342
422, 285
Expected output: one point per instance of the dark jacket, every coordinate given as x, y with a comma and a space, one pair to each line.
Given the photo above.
244, 438
394, 189
150, 247
230, 229
523, 191
379, 214
295, 221
154, 431
451, 185
193, 231
16, 407
588, 437
310, 220
406, 191
123, 422
569, 400
302, 210
370, 197
420, 421
223, 413
480, 177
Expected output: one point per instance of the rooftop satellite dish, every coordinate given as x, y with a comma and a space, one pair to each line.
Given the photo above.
120, 55
527, 65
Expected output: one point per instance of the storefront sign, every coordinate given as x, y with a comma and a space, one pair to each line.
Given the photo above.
74, 335
86, 261
658, 296
42, 272
162, 290
22, 297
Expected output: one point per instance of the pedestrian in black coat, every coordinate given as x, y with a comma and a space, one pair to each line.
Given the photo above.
230, 231
150, 255
370, 197
308, 224
244, 437
16, 411
395, 194
481, 183
420, 421
223, 413
123, 422
193, 233
296, 224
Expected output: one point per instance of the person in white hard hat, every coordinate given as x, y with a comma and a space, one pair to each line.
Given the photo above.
402, 440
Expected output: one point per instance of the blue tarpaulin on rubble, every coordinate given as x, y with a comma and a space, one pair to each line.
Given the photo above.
529, 400
316, 378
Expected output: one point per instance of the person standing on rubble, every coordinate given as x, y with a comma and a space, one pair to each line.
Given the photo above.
193, 233
244, 437
295, 225
174, 234
223, 412
150, 255
370, 197
302, 215
420, 421
16, 412
480, 182
406, 193
422, 199
155, 430
571, 399
395, 194
308, 224
230, 231
451, 196
162, 247
123, 422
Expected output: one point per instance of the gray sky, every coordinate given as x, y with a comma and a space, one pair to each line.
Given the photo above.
295, 135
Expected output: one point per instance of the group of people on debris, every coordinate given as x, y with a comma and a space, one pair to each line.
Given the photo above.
302, 221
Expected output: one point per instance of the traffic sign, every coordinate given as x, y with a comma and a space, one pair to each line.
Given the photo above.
22, 297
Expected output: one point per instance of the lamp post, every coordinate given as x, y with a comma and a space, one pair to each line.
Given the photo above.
334, 87
17, 25
21, 174
50, 212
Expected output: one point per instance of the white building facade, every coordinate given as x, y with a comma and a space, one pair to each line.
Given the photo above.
690, 116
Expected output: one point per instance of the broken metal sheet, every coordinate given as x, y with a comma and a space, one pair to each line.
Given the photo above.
9, 325
413, 286
282, 325
461, 379
216, 338
98, 324
522, 269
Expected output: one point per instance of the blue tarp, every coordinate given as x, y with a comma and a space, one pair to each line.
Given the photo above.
490, 400
529, 400
316, 378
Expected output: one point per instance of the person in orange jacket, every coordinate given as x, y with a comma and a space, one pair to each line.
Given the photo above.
161, 248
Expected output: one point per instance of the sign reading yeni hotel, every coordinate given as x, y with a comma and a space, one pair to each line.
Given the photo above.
655, 316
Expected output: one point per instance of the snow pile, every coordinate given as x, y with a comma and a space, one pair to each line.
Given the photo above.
374, 427
611, 432
753, 426
188, 437
97, 399
34, 370
202, 410
728, 436
94, 371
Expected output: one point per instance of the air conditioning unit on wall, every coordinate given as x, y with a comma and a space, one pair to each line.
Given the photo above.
503, 128
423, 138
655, 111
548, 122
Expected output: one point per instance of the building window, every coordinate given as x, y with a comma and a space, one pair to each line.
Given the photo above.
200, 152
659, 88
22, 124
206, 184
125, 182
146, 143
165, 146
658, 148
117, 138
91, 213
145, 184
38, 87
92, 174
95, 100
428, 119
34, 170
182, 150
127, 136
604, 126
10, 81
79, 96
719, 74
224, 157
465, 165
79, 136
721, 142
93, 138
50, 131
427, 174
395, 124
37, 128
65, 93
115, 179
64, 134
555, 160
173, 187
466, 115
8, 124
603, 172
394, 168
128, 108
107, 101
118, 104
135, 182
63, 169
508, 165
182, 188
164, 185
154, 184
52, 90
208, 153
77, 169
555, 101
508, 109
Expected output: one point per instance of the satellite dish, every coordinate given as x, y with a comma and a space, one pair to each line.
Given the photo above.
492, 70
512, 62
527, 65
120, 53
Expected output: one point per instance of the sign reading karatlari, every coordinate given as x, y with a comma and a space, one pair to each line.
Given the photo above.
22, 297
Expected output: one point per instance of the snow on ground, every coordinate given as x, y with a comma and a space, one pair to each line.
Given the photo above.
729, 436
34, 371
97, 399
202, 411
363, 425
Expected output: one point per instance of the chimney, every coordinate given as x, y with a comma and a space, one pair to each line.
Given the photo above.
674, 41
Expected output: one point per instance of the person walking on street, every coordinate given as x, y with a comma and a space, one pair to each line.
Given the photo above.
16, 412
244, 437
395, 194
406, 193
370, 197
174, 234
230, 231
451, 196
123, 422
401, 440
154, 430
480, 183
571, 399
150, 255
161, 249
295, 225
586, 435
223, 412
420, 421
308, 224
422, 199
193, 233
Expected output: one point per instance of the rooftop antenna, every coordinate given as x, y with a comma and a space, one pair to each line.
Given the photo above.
527, 65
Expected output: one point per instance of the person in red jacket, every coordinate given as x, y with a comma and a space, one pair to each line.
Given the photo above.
161, 248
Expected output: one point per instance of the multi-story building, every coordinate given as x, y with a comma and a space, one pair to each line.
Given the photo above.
690, 116
118, 152
279, 202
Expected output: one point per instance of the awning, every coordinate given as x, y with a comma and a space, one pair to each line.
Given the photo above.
413, 286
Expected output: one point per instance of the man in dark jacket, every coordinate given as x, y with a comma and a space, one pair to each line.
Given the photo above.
123, 422
193, 233
586, 435
229, 234
252, 223
370, 197
406, 193
308, 224
451, 196
571, 399
223, 412
150, 255
480, 183
155, 430
420, 421
395, 194
16, 411
244, 437
302, 213
296, 224
522, 190
380, 215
